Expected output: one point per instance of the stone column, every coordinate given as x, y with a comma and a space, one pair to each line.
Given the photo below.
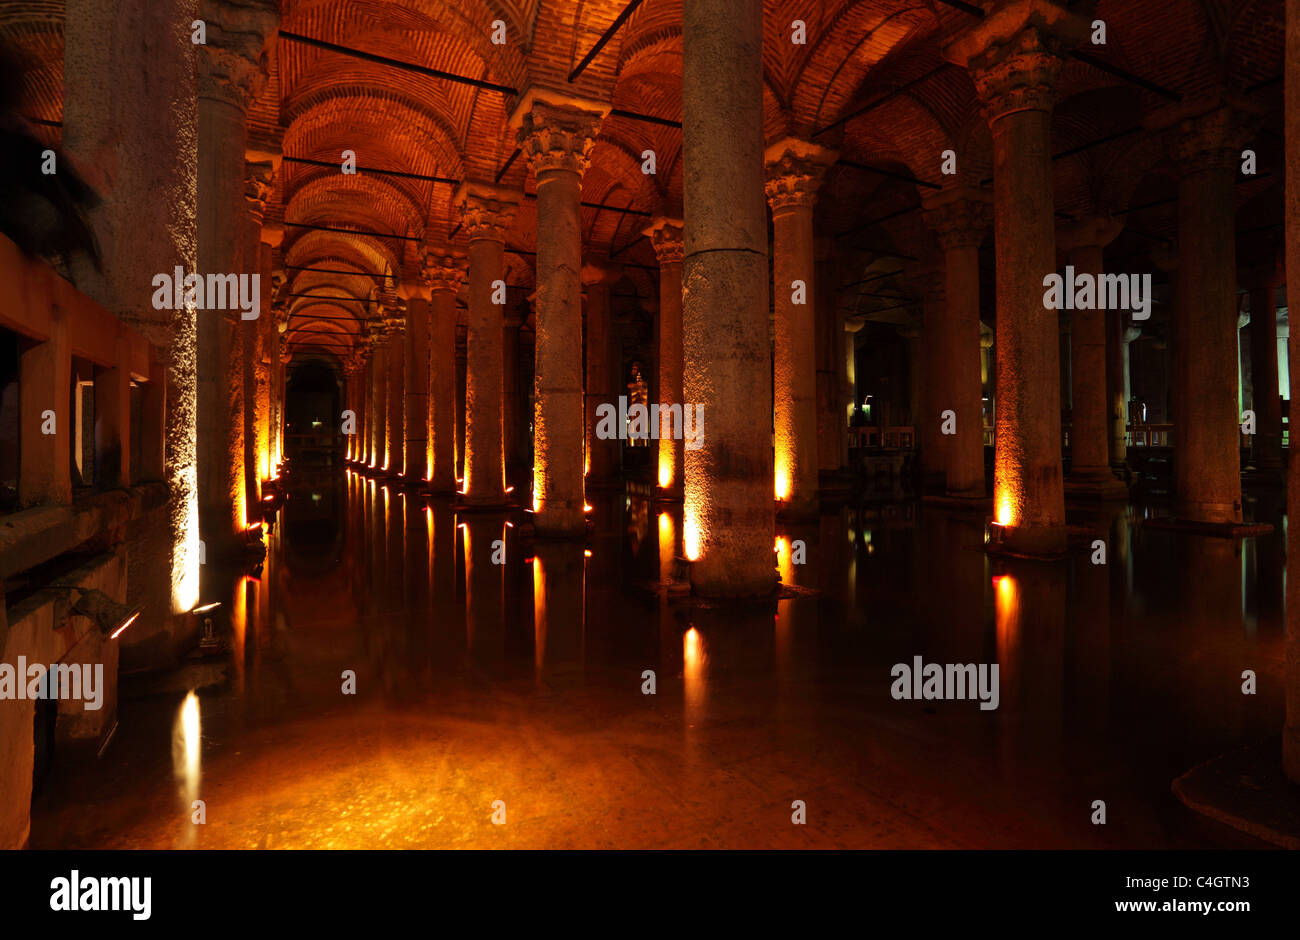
794, 174
666, 237
960, 218
486, 215
512, 407
831, 420
928, 384
602, 454
378, 418
258, 189
1205, 140
1266, 452
1117, 395
1291, 732
351, 368
130, 91
232, 73
1090, 474
729, 525
444, 273
557, 134
415, 407
395, 354
1014, 58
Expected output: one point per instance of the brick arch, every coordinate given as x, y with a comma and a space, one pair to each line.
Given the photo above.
431, 143
311, 246
35, 37
860, 34
378, 202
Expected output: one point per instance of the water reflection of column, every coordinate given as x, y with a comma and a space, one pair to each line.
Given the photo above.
1211, 588
484, 592
416, 571
558, 612
794, 642
445, 615
1029, 609
1089, 627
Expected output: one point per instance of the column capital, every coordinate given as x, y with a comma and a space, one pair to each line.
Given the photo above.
486, 211
600, 270
232, 62
444, 272
1207, 133
795, 169
666, 236
959, 217
1093, 230
1015, 53
555, 130
259, 187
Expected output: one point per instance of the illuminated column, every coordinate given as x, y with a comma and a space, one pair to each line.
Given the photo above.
728, 525
1205, 140
415, 407
486, 215
1266, 452
444, 273
1082, 242
258, 188
960, 218
395, 354
1014, 59
280, 357
602, 454
666, 237
794, 174
378, 417
1291, 732
351, 369
130, 102
232, 73
556, 135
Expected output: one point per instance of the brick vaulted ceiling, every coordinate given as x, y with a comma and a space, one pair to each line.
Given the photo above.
870, 82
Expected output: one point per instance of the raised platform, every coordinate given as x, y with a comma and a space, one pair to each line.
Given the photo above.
1246, 789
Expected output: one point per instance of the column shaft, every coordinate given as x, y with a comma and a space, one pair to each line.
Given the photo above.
729, 514
1267, 449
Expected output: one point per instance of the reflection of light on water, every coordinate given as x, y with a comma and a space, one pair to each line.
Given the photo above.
186, 735
694, 668
667, 546
1007, 617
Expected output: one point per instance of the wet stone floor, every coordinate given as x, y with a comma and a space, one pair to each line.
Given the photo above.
500, 688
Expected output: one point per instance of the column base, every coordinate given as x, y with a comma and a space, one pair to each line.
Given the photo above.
958, 501
1227, 530
802, 511
670, 495
441, 490
1247, 790
1095, 483
1036, 543
483, 505
606, 484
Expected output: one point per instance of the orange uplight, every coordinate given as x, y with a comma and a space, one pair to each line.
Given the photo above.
665, 471
586, 507
691, 538
126, 623
782, 485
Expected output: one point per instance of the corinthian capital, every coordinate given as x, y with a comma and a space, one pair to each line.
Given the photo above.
1014, 55
444, 273
666, 237
794, 173
556, 131
486, 211
959, 218
1208, 133
232, 63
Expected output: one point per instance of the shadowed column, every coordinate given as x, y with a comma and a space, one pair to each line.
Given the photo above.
556, 135
960, 218
728, 525
1205, 141
1082, 243
416, 405
1291, 732
1014, 59
602, 452
794, 174
486, 214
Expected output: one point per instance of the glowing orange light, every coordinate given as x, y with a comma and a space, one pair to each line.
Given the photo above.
665, 471
691, 538
586, 507
782, 485
586, 552
120, 630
